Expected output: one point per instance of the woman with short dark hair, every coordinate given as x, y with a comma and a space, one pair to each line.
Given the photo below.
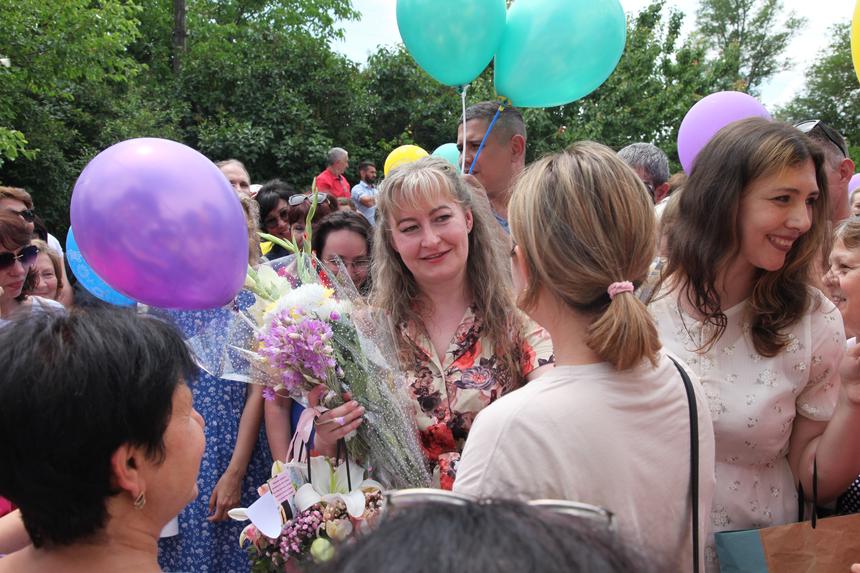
100, 444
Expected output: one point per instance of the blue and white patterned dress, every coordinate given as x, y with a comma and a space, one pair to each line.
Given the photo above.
201, 546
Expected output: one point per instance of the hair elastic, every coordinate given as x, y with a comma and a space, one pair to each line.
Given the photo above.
620, 287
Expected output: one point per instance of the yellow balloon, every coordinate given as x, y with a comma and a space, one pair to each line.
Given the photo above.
401, 155
855, 40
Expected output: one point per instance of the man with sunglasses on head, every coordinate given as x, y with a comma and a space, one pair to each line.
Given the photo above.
332, 180
838, 164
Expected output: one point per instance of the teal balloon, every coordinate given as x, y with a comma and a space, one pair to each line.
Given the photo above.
557, 51
453, 40
450, 152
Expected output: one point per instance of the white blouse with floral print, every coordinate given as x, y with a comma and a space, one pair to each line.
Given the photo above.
754, 401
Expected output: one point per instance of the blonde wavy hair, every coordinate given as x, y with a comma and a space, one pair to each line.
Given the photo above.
395, 289
583, 220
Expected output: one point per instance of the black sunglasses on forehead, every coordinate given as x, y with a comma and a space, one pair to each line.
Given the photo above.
26, 255
810, 125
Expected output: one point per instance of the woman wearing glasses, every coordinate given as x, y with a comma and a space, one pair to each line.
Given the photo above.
439, 272
273, 199
343, 238
610, 424
17, 257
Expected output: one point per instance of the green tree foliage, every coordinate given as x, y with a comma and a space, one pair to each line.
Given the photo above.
749, 38
65, 56
259, 81
832, 92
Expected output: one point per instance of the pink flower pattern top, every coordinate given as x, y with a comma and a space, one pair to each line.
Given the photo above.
451, 392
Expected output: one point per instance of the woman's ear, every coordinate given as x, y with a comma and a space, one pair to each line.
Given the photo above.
520, 264
125, 465
470, 220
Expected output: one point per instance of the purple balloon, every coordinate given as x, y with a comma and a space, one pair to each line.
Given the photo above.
854, 183
159, 223
708, 116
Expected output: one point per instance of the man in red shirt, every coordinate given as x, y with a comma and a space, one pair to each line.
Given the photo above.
331, 180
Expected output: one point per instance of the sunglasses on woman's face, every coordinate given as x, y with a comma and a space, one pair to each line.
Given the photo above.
27, 256
299, 199
276, 217
27, 214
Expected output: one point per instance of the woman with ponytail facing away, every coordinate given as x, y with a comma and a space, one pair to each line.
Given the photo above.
610, 425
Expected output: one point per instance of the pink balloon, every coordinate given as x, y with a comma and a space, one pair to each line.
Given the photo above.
159, 223
708, 116
854, 183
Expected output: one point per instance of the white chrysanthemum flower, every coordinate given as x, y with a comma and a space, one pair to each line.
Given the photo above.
311, 298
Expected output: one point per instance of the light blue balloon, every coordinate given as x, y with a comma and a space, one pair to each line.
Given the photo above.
453, 40
557, 51
450, 152
88, 277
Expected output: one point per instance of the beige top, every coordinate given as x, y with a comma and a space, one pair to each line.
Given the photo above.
619, 440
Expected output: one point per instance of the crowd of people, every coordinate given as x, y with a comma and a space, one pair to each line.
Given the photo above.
587, 328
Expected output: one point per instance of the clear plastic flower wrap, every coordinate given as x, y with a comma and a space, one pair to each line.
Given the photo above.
299, 326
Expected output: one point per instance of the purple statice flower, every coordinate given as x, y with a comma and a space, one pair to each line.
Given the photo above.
298, 346
268, 394
298, 533
335, 315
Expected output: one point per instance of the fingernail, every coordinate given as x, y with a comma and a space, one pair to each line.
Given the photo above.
353, 403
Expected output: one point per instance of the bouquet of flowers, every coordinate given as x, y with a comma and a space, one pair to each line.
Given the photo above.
306, 330
304, 511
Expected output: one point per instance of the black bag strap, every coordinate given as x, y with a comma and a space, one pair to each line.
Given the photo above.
801, 499
694, 459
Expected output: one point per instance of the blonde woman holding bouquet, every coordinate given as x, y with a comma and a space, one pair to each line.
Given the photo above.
610, 424
439, 273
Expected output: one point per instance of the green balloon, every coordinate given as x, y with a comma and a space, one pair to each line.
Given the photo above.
450, 152
453, 40
557, 51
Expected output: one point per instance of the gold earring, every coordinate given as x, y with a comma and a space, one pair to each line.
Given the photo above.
140, 501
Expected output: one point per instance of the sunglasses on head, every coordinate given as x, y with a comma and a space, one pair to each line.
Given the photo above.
27, 214
27, 256
299, 199
812, 124
404, 498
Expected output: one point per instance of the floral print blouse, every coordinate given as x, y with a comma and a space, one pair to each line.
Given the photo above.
447, 395
754, 401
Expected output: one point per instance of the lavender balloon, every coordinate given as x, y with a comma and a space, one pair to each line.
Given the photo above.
708, 116
854, 183
159, 223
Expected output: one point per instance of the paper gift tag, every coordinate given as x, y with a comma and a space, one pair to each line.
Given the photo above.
281, 487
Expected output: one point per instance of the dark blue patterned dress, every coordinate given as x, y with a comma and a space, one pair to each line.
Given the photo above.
201, 546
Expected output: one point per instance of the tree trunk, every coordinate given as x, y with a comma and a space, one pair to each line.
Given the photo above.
179, 34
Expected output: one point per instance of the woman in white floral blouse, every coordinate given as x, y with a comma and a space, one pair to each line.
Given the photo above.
737, 304
441, 272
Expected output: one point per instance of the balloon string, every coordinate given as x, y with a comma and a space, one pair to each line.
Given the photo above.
484, 140
463, 100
